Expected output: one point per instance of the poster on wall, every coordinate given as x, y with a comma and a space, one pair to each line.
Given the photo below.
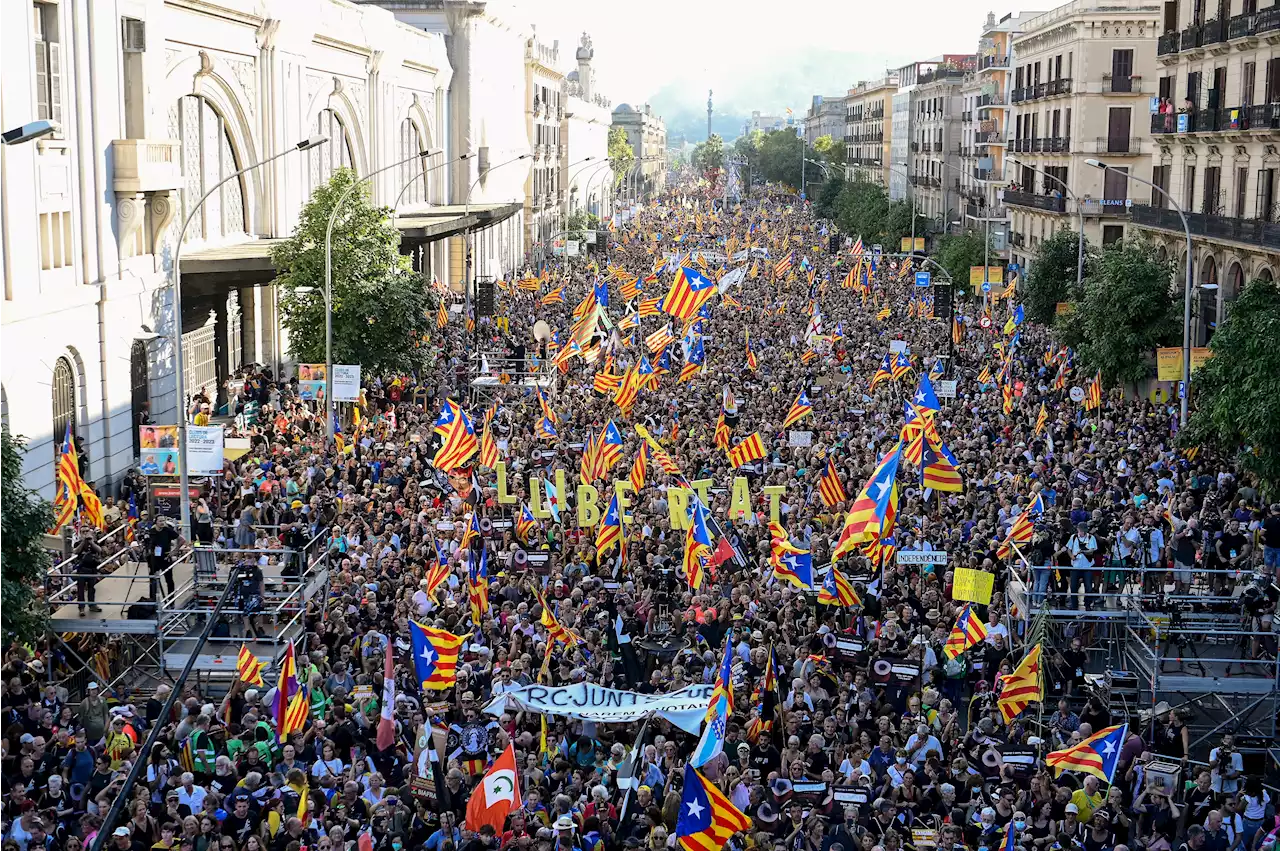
159, 450
311, 380
346, 382
204, 450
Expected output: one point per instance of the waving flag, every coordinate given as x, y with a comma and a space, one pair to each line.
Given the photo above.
1024, 686
631, 287
837, 590
1042, 418
697, 544
488, 448
937, 471
765, 699
437, 576
1096, 755
545, 430
659, 455
553, 499
650, 307
527, 523
884, 373
610, 533
556, 296
386, 717
792, 564
457, 437
497, 795
711, 744
693, 364
478, 584
690, 290
659, 340
784, 265
926, 399
901, 366
286, 690
606, 382
708, 819
799, 408
830, 488
881, 551
638, 468
131, 519
873, 511
967, 632
1093, 395
748, 450
752, 363
248, 667
1023, 527
608, 450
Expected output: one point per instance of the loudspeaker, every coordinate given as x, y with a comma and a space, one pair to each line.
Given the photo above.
484, 298
833, 244
942, 301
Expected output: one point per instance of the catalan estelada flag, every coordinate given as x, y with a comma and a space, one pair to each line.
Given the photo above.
689, 292
1023, 527
659, 340
884, 373
1023, 687
288, 695
901, 366
830, 488
937, 471
1042, 419
697, 545
248, 667
967, 632
873, 511
749, 449
631, 287
556, 296
457, 437
799, 408
1096, 755
837, 590
708, 819
752, 364
610, 533
435, 656
526, 524
488, 448
638, 468
650, 307
693, 365
784, 265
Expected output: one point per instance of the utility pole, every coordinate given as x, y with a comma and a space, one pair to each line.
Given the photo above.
709, 114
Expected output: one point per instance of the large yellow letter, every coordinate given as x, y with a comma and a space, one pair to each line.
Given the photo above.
740, 499
702, 486
535, 499
588, 506
620, 488
775, 492
678, 507
504, 496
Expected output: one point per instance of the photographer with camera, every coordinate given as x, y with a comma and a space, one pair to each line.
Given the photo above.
87, 563
1226, 765
1083, 547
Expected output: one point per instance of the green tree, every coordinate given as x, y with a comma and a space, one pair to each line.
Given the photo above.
824, 205
897, 225
956, 253
1236, 394
861, 210
708, 157
780, 152
24, 517
381, 310
831, 150
748, 144
1052, 278
1125, 313
579, 222
621, 156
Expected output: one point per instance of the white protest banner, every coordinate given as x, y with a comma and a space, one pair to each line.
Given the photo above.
916, 557
590, 702
204, 450
896, 346
734, 277
346, 382
945, 388
800, 438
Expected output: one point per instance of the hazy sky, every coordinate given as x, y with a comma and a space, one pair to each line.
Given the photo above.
753, 55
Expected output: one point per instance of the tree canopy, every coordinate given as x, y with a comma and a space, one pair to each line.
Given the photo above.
381, 308
1052, 278
621, 155
957, 253
24, 565
1125, 313
708, 157
1236, 395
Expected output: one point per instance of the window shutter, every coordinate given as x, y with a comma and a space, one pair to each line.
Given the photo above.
42, 79
55, 82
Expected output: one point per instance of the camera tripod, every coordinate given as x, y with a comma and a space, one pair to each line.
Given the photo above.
1176, 640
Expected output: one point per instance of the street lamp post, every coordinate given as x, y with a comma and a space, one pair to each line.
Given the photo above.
184, 499
1186, 290
328, 286
569, 183
1079, 213
466, 211
912, 191
586, 186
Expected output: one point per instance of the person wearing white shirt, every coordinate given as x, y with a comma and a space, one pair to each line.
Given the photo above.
1226, 765
921, 743
855, 763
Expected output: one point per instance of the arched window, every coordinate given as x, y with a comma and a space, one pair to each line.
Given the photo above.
1208, 296
207, 158
412, 173
324, 160
64, 403
140, 391
1266, 275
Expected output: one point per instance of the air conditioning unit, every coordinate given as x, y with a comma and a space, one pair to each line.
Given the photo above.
133, 35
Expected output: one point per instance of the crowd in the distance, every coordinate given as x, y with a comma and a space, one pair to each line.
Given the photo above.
897, 756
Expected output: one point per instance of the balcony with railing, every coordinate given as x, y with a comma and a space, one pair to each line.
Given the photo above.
1192, 38
1054, 145
1214, 31
1256, 232
983, 212
988, 137
1104, 207
1123, 146
1122, 85
1268, 20
996, 99
1168, 44
1242, 26
986, 62
966, 117
985, 175
1035, 201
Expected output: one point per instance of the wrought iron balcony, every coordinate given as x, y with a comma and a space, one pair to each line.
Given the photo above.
1104, 207
1045, 203
1268, 20
1122, 85
1192, 38
993, 62
1257, 232
1242, 26
1168, 43
1118, 147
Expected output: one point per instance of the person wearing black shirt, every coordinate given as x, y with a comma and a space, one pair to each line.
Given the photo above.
240, 822
765, 757
160, 544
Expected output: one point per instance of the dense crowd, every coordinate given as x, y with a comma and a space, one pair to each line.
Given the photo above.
851, 759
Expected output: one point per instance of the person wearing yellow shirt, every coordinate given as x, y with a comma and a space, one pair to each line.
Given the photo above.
118, 743
1087, 799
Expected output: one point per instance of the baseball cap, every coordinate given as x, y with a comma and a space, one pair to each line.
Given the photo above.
120, 831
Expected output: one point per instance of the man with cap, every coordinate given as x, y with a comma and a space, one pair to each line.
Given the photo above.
1082, 546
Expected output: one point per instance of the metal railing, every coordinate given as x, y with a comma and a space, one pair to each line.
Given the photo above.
1117, 147
1257, 232
998, 61
1047, 203
1191, 38
1122, 85
1104, 207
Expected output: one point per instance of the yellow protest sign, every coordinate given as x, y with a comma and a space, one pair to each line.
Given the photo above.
1169, 362
972, 586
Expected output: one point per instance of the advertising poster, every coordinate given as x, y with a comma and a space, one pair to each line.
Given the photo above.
311, 380
1169, 362
159, 455
204, 450
346, 382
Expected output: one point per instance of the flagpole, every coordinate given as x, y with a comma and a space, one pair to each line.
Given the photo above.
635, 758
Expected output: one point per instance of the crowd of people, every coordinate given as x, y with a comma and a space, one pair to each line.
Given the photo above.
847, 756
